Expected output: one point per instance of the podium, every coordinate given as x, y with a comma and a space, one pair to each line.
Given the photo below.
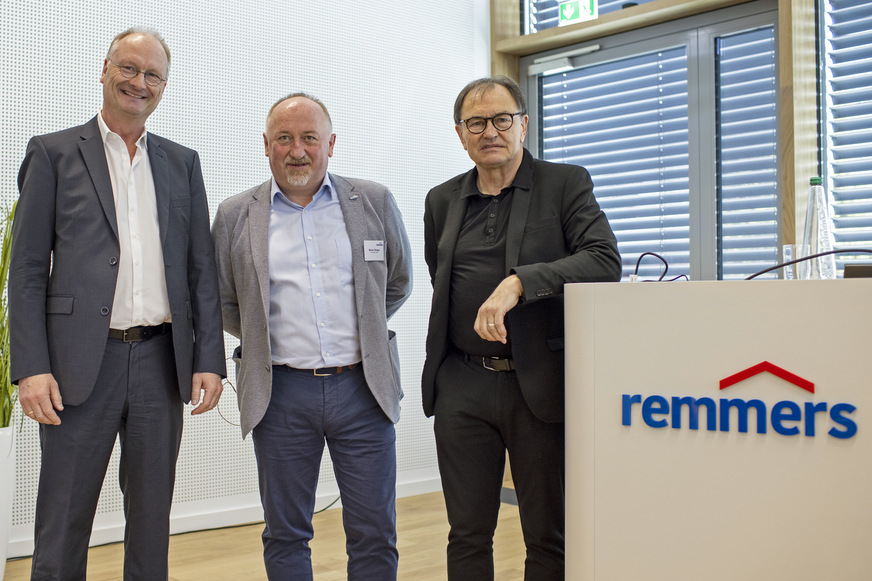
719, 431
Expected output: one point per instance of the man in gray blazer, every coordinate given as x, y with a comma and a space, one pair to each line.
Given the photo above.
311, 266
114, 313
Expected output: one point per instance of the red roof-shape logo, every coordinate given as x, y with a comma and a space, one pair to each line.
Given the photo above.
774, 370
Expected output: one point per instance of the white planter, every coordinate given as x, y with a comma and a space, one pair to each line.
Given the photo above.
7, 487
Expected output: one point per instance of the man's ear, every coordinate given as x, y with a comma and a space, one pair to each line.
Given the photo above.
460, 135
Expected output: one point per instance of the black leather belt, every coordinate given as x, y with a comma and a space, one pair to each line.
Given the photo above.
134, 334
491, 363
326, 371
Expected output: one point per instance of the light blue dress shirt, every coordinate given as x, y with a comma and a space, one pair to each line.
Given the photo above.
313, 314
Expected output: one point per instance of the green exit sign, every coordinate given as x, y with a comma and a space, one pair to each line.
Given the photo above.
572, 11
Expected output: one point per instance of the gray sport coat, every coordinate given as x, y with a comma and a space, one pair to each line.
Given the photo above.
240, 233
65, 254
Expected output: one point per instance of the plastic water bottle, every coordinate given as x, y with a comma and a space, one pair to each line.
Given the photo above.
818, 235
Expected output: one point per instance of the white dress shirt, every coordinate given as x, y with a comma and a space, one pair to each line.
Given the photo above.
141, 290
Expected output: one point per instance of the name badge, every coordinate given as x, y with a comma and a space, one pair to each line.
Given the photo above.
374, 250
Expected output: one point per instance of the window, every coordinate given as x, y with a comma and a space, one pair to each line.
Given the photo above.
847, 128
746, 152
626, 121
678, 131
541, 14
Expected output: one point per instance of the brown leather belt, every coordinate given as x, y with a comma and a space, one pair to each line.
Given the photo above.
134, 334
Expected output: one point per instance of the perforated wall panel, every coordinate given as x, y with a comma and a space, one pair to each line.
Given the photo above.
388, 72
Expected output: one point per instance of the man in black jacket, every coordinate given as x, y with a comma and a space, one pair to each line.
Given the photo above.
501, 241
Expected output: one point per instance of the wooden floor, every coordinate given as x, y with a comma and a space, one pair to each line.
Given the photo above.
234, 554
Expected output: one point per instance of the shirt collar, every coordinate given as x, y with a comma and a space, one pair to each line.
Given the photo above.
326, 191
523, 178
105, 132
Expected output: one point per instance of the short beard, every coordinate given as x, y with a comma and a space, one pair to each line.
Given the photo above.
297, 177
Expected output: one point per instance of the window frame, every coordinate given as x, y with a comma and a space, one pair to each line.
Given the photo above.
698, 33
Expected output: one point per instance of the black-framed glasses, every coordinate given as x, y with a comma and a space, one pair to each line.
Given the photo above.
129, 72
501, 121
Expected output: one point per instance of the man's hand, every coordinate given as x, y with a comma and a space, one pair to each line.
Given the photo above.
39, 397
212, 387
490, 324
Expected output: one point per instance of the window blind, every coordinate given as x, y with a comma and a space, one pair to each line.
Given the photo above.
626, 121
848, 128
746, 153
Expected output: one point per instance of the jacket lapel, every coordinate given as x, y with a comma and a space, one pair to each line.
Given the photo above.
354, 214
94, 155
157, 157
451, 230
258, 234
517, 223
521, 196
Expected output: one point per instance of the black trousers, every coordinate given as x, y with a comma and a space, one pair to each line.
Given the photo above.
137, 398
480, 414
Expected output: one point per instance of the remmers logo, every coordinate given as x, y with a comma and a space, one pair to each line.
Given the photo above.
788, 418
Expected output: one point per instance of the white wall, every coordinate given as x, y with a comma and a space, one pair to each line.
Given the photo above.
388, 72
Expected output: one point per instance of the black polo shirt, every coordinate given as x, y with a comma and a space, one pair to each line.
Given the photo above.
479, 263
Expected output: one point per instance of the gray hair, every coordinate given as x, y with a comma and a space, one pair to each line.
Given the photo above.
305, 96
481, 86
141, 30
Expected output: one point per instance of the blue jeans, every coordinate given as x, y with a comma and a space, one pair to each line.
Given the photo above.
304, 412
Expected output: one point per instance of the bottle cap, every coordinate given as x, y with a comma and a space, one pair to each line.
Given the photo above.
815, 181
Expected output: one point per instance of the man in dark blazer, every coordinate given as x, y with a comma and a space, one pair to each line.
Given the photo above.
501, 241
115, 319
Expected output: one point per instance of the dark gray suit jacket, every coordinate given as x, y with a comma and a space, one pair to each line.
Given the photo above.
65, 254
557, 234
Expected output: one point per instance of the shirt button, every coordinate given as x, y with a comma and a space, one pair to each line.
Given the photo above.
317, 294
322, 324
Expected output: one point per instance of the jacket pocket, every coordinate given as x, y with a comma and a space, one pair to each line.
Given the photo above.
395, 362
59, 305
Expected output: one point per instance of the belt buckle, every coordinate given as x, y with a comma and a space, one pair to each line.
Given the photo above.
124, 337
316, 374
484, 364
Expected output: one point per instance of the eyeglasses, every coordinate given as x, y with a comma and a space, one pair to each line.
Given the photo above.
501, 122
128, 72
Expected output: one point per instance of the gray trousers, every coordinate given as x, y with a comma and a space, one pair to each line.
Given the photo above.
136, 398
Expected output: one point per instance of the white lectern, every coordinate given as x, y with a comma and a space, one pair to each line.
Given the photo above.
719, 431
